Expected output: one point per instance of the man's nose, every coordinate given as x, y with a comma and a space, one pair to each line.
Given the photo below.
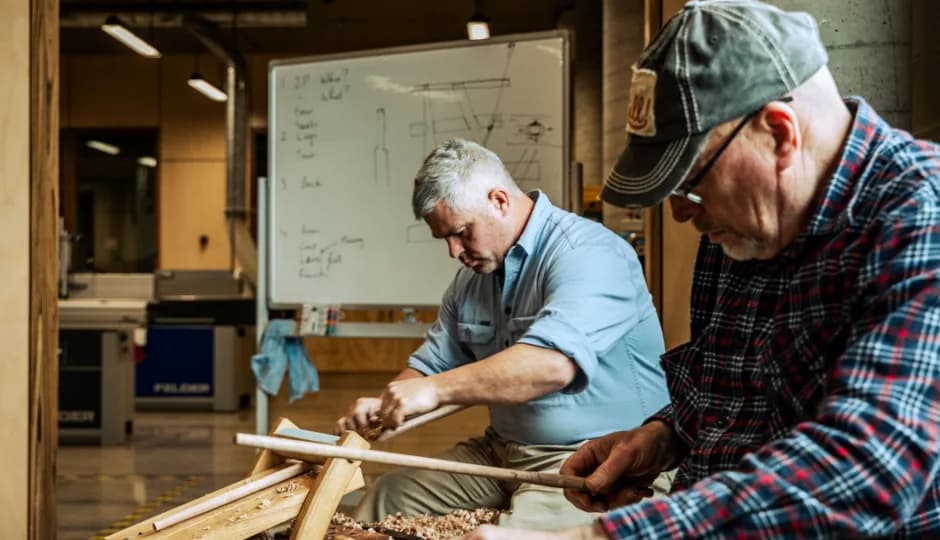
683, 209
454, 247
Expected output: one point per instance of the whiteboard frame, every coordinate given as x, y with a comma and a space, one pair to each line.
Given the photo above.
530, 36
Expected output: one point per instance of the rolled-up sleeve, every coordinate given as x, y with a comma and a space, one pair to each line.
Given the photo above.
591, 301
440, 351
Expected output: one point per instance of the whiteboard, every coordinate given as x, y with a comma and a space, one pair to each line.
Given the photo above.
348, 133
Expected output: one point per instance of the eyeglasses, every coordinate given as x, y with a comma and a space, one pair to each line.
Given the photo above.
685, 189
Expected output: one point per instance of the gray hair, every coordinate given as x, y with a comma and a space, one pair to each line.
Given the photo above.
460, 173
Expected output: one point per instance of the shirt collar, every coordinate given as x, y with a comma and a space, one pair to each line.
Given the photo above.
832, 213
528, 240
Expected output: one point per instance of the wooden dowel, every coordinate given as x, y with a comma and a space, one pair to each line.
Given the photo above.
420, 420
301, 448
220, 500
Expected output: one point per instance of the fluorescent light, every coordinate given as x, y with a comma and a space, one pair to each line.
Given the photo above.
206, 88
116, 29
103, 147
478, 27
147, 161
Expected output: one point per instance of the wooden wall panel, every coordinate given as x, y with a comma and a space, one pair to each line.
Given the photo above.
43, 263
191, 204
192, 126
679, 243
360, 354
14, 264
193, 141
110, 91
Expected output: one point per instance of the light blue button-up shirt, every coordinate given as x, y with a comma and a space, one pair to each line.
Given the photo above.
572, 285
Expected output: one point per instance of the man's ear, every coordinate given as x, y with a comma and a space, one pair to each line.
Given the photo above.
499, 198
784, 126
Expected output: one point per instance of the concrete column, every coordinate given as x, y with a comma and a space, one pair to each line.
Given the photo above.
869, 45
584, 24
623, 42
623, 32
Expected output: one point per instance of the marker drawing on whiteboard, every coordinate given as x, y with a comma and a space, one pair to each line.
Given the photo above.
380, 168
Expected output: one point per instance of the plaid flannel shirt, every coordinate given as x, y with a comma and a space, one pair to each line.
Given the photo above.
809, 394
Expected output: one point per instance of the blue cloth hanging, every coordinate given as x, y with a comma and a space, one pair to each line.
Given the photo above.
283, 352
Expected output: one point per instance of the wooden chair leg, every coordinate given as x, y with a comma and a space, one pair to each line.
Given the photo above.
331, 484
267, 459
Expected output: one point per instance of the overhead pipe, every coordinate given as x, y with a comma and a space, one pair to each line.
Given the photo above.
236, 122
170, 14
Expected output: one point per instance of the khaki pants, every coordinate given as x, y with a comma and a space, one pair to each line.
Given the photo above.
526, 506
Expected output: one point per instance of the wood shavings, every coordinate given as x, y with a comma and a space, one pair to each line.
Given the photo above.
287, 489
456, 523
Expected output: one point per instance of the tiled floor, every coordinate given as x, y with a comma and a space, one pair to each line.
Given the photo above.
177, 456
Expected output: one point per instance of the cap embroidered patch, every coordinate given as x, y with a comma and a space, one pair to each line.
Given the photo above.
640, 105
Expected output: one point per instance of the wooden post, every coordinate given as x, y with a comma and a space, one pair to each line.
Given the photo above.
314, 517
43, 263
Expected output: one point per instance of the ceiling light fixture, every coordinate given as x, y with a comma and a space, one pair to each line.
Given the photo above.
147, 161
103, 147
478, 26
119, 31
206, 88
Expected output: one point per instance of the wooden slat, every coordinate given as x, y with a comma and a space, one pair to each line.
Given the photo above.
43, 254
243, 518
245, 488
145, 527
267, 459
314, 517
246, 517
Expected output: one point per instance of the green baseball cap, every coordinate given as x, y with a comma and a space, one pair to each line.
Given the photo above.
714, 61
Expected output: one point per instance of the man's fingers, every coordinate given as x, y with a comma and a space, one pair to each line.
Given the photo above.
393, 419
580, 499
627, 496
581, 463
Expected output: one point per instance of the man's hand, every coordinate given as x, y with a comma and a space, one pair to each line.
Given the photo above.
619, 468
362, 417
407, 397
492, 532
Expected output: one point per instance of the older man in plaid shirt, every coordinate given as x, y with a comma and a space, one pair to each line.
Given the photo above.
807, 402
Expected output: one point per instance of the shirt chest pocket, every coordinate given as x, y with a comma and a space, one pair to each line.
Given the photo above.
478, 340
518, 327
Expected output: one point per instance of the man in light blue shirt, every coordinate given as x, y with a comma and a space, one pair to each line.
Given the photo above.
549, 323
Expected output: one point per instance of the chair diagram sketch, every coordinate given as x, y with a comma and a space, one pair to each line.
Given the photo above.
469, 108
450, 109
474, 109
530, 130
525, 169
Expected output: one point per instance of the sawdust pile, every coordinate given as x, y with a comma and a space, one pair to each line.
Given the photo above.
425, 527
